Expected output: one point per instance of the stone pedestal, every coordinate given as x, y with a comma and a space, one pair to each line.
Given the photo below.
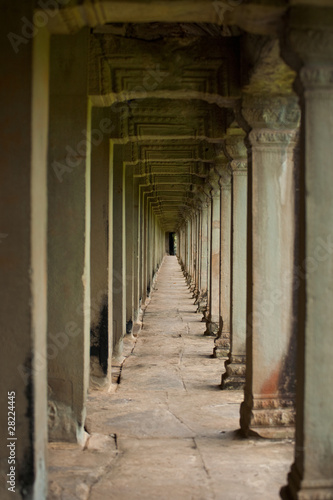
268, 407
23, 251
222, 341
311, 476
68, 238
234, 377
213, 320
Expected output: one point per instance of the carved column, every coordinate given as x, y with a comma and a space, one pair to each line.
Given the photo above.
196, 293
204, 308
197, 254
222, 341
213, 319
199, 248
193, 250
311, 476
188, 248
268, 407
202, 298
234, 377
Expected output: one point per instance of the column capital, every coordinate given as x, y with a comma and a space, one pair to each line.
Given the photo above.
310, 33
202, 196
222, 168
234, 143
213, 180
271, 111
274, 137
225, 173
239, 167
317, 77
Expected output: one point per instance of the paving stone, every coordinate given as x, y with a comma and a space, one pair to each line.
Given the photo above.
169, 431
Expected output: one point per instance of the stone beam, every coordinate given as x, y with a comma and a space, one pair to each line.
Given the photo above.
72, 16
125, 69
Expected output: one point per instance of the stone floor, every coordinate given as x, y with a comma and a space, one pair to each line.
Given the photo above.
169, 431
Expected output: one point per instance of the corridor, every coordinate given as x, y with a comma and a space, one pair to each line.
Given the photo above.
168, 432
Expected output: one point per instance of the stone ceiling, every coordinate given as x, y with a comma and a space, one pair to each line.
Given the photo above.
170, 91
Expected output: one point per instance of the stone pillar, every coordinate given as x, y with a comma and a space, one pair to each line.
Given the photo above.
202, 298
100, 340
222, 342
141, 247
198, 252
206, 308
146, 190
119, 251
234, 376
68, 238
213, 320
23, 250
129, 219
268, 407
186, 263
136, 250
311, 475
193, 250
148, 244
190, 249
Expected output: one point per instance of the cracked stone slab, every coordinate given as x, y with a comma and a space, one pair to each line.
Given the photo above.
164, 469
175, 430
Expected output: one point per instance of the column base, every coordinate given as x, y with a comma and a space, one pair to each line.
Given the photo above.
268, 417
212, 329
118, 349
234, 377
63, 425
201, 302
222, 345
298, 489
201, 297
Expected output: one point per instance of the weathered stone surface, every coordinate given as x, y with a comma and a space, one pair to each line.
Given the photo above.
169, 431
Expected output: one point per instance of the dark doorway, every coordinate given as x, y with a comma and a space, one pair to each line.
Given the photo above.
172, 246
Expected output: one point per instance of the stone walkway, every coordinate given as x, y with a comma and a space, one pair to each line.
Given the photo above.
169, 432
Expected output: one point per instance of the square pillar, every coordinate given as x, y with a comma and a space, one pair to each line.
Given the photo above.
100, 336
129, 248
119, 251
136, 250
69, 237
23, 252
